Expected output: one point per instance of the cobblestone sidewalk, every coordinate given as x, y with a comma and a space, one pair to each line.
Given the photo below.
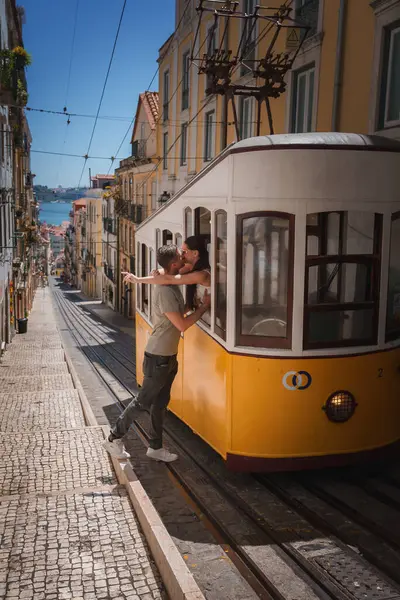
67, 529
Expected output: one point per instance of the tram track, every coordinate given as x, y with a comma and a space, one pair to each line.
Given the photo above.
266, 527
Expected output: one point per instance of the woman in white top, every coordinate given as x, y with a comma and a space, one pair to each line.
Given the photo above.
196, 273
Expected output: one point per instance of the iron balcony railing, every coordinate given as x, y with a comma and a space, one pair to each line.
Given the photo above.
307, 14
136, 213
109, 225
139, 149
109, 273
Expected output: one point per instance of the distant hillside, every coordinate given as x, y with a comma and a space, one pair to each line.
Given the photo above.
45, 194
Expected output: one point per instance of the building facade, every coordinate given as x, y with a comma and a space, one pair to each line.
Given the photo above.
93, 271
136, 192
345, 78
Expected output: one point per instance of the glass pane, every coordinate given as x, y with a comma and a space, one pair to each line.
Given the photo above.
145, 272
167, 237
393, 300
340, 326
301, 103
188, 222
221, 271
339, 282
393, 111
265, 276
202, 224
178, 239
326, 235
310, 100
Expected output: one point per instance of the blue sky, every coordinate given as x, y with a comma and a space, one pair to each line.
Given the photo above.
48, 36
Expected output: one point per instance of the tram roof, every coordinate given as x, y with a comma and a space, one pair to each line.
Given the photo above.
291, 141
320, 140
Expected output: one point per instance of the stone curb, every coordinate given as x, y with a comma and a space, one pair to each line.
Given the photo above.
177, 578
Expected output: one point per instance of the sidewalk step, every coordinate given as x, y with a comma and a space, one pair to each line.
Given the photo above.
54, 461
30, 411
76, 546
28, 357
35, 383
24, 371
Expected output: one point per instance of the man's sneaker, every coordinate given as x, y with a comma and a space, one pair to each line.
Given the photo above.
161, 454
116, 448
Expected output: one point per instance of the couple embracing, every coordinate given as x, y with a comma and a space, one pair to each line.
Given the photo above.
171, 316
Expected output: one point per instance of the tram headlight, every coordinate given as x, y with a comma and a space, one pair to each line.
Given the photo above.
340, 406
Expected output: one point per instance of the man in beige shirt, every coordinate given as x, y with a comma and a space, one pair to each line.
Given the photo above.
160, 364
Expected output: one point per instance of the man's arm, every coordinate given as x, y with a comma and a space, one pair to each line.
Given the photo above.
183, 323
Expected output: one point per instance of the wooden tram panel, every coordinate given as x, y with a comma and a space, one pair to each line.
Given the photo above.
246, 402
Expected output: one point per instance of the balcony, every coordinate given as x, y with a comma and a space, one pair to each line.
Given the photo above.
109, 225
28, 180
136, 213
139, 149
308, 15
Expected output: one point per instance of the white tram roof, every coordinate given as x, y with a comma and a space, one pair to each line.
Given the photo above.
322, 140
290, 141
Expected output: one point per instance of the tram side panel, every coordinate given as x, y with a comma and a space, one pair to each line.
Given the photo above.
275, 414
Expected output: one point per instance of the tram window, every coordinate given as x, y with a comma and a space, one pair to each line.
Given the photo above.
178, 240
265, 280
145, 288
188, 222
332, 233
158, 239
221, 272
151, 267
393, 298
202, 224
342, 279
167, 237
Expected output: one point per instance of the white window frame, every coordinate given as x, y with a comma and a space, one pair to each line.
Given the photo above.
209, 140
387, 13
297, 75
247, 127
184, 144
387, 122
165, 150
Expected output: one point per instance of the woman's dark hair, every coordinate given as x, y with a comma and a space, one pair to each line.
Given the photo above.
196, 242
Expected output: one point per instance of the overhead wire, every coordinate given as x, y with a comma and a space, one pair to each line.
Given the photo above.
68, 83
171, 40
104, 89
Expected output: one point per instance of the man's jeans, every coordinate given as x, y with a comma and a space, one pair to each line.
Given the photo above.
154, 395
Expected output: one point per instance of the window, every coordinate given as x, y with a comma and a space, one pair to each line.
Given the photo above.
145, 287
209, 141
130, 189
265, 286
165, 151
158, 239
154, 195
138, 272
188, 222
185, 80
184, 131
246, 117
167, 237
220, 269
126, 239
342, 279
166, 96
393, 298
390, 95
152, 266
211, 48
303, 100
248, 46
202, 228
178, 240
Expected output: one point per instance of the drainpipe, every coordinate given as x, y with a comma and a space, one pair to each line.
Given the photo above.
338, 65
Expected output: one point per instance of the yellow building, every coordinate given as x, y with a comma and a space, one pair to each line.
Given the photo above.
78, 244
345, 78
91, 245
136, 194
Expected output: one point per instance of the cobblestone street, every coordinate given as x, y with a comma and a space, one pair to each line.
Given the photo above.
67, 528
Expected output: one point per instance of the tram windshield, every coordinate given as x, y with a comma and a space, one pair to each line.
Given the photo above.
393, 299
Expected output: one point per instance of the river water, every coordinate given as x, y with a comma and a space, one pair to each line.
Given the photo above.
54, 214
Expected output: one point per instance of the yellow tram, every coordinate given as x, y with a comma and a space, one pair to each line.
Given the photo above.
298, 363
